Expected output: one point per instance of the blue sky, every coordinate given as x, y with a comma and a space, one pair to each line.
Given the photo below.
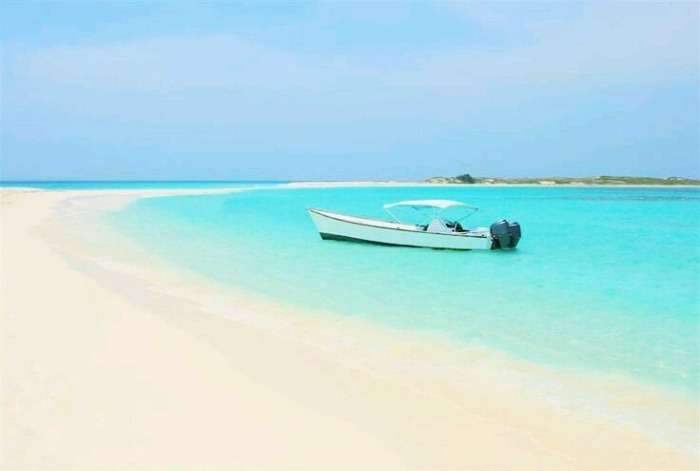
281, 90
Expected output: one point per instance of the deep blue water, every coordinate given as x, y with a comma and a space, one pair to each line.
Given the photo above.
604, 279
125, 184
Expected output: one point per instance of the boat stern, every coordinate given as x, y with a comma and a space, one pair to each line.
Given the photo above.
505, 235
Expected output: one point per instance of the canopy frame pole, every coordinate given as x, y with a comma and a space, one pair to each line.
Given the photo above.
474, 210
393, 216
436, 210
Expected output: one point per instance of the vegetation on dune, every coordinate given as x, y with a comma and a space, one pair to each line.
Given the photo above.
600, 180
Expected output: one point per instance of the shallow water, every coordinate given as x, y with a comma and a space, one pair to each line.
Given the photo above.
604, 279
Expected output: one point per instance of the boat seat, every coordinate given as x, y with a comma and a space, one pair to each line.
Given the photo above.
438, 225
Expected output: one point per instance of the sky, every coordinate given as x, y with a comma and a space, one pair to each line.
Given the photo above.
347, 90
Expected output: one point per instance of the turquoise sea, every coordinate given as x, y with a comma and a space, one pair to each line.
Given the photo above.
604, 280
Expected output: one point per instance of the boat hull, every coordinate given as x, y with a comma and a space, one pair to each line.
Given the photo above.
333, 226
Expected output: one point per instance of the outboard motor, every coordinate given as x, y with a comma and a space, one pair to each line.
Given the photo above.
505, 235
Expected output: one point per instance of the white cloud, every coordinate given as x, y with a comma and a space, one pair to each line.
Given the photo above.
224, 86
600, 46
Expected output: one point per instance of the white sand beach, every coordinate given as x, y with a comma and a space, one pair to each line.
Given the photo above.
114, 360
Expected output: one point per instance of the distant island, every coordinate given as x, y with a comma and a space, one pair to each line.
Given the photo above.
601, 180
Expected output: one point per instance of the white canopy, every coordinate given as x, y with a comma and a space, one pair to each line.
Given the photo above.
440, 204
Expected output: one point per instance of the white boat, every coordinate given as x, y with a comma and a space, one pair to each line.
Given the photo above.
438, 232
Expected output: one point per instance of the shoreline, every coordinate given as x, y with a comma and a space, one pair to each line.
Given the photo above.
389, 183
402, 402
334, 184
